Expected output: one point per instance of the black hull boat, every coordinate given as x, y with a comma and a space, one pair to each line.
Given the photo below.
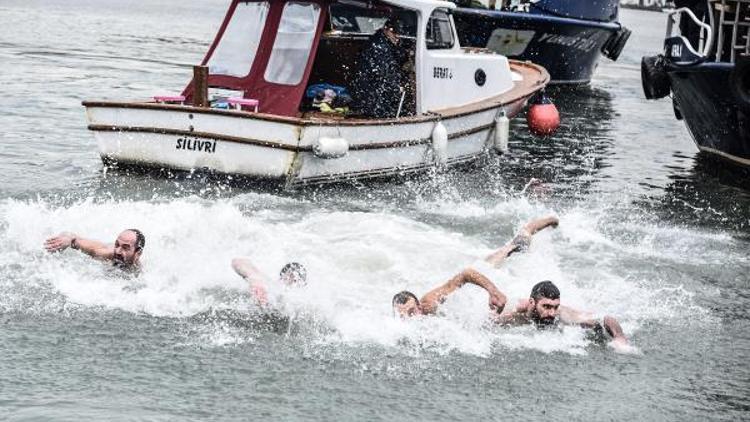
706, 68
566, 37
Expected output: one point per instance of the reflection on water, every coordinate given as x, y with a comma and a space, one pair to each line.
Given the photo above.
711, 194
573, 158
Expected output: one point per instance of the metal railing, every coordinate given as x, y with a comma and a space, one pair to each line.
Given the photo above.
705, 37
734, 17
723, 29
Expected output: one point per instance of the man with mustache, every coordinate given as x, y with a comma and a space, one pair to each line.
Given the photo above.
543, 309
125, 254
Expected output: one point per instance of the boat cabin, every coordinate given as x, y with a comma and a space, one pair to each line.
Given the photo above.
269, 52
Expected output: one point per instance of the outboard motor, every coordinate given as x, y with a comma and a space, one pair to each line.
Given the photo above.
654, 77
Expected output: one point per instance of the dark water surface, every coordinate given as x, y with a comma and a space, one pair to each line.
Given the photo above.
650, 232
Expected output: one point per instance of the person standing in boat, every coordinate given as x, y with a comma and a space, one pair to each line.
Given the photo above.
379, 84
124, 254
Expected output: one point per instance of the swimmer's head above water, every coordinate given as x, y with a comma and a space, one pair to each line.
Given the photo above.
293, 274
128, 249
406, 304
545, 304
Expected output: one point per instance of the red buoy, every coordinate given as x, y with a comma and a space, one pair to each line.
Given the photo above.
543, 118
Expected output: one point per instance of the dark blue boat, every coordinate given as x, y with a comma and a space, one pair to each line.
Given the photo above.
565, 36
706, 67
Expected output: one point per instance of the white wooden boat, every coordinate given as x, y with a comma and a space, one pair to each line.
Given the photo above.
459, 97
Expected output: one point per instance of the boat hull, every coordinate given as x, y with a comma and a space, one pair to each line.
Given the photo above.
262, 146
568, 48
717, 120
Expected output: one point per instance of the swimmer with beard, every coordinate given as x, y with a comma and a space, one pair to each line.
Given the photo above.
406, 304
125, 254
543, 309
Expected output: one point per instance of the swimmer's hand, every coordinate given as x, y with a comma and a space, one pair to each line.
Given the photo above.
621, 345
497, 302
60, 242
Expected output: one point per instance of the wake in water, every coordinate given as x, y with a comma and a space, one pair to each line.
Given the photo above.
356, 262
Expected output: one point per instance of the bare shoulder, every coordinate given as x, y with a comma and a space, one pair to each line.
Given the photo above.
570, 315
511, 318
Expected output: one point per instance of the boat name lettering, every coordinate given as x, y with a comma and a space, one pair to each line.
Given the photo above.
195, 144
676, 51
568, 41
442, 73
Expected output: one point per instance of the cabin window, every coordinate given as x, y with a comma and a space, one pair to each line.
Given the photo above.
236, 50
439, 30
357, 18
291, 50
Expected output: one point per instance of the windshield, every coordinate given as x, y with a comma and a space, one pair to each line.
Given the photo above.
235, 53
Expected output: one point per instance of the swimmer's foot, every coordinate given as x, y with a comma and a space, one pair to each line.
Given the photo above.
536, 188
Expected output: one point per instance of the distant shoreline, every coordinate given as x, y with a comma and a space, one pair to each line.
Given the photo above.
656, 5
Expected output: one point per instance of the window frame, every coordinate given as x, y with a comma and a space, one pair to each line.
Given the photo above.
432, 45
314, 33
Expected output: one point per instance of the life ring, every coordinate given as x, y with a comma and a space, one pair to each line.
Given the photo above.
654, 77
739, 81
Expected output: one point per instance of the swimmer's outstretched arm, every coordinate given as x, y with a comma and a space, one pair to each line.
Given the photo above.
254, 276
90, 247
430, 301
586, 320
522, 239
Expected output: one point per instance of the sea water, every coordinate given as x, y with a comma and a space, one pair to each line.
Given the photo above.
650, 232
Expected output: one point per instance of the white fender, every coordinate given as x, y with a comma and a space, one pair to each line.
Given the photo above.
502, 133
440, 143
326, 147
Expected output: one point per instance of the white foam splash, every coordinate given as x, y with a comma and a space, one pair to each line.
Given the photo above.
356, 262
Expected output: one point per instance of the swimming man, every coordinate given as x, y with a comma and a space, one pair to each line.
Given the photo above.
406, 304
125, 254
292, 274
543, 309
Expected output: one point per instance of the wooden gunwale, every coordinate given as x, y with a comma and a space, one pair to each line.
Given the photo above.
279, 145
520, 90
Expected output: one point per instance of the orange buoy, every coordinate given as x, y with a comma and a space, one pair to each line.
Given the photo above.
543, 118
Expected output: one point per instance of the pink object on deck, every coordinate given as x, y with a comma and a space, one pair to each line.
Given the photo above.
239, 102
169, 98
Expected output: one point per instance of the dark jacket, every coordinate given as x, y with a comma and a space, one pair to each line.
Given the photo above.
376, 84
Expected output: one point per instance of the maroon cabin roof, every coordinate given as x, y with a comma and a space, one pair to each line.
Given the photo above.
274, 98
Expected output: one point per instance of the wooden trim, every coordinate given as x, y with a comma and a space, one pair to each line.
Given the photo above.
394, 144
279, 145
472, 131
241, 140
725, 155
520, 91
